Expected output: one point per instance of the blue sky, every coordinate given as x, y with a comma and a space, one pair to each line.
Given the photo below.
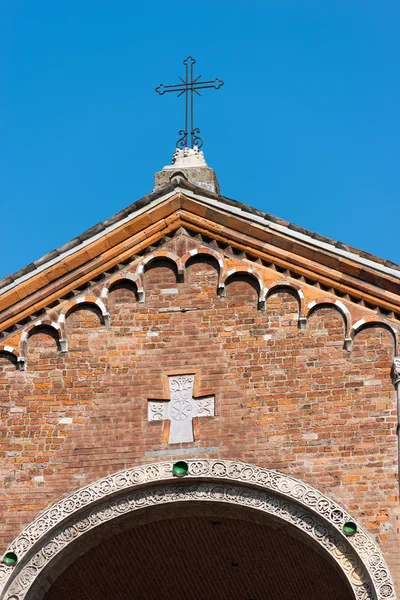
306, 127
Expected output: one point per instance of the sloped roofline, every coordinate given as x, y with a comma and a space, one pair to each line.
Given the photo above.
179, 184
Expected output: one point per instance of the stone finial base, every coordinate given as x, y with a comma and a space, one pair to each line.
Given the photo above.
190, 162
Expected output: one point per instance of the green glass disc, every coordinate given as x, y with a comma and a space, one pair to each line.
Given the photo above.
10, 559
180, 469
349, 528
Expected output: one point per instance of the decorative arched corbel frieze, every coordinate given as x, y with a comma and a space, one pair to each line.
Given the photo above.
154, 256
247, 272
63, 333
136, 279
341, 308
163, 255
203, 251
14, 356
285, 499
89, 301
53, 327
375, 321
282, 284
130, 278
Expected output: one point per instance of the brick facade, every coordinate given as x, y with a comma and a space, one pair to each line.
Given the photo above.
288, 398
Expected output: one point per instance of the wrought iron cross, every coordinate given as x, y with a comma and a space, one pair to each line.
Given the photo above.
189, 87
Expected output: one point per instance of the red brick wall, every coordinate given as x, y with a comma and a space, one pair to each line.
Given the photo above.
285, 399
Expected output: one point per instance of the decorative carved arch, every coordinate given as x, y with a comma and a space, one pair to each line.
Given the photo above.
157, 255
160, 255
249, 272
120, 278
13, 355
45, 324
277, 284
341, 308
88, 300
203, 251
375, 321
218, 481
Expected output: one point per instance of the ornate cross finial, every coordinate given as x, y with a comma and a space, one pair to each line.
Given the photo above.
181, 408
189, 87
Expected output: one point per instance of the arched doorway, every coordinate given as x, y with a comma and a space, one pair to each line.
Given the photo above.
235, 529
196, 556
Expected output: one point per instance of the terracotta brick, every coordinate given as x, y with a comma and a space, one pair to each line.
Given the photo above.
287, 399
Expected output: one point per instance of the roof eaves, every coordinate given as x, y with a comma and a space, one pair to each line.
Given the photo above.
290, 229
211, 198
84, 238
186, 185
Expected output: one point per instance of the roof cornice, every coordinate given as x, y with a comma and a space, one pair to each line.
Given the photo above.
87, 238
180, 184
289, 229
183, 204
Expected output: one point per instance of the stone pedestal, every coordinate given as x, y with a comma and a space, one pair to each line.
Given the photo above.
190, 162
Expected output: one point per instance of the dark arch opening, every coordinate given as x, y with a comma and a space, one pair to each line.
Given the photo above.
242, 288
206, 259
164, 262
125, 285
196, 551
8, 358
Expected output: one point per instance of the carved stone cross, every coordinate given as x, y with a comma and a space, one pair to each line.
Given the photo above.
181, 408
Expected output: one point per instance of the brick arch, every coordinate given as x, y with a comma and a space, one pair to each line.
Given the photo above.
161, 255
158, 255
370, 321
53, 328
214, 481
97, 303
209, 252
12, 355
282, 285
339, 307
243, 272
120, 278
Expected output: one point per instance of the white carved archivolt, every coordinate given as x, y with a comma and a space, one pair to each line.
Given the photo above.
181, 408
219, 481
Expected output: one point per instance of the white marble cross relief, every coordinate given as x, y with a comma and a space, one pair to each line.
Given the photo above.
181, 408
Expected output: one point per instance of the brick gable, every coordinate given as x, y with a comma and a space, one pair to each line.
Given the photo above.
300, 370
